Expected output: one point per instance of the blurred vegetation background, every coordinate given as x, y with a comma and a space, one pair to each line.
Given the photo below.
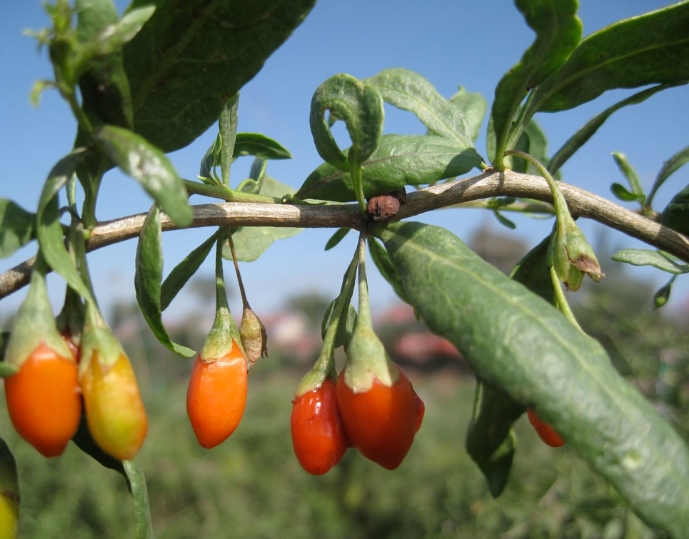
252, 486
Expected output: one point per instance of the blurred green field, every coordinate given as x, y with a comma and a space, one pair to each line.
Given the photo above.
252, 486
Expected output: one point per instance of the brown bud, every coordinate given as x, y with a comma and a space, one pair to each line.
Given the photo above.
253, 337
382, 208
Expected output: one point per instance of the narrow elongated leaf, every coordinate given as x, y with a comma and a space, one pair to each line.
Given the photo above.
245, 144
582, 136
336, 238
182, 272
250, 242
399, 160
670, 166
148, 166
139, 491
473, 107
621, 192
192, 56
410, 91
16, 227
148, 277
628, 170
227, 130
516, 341
558, 30
646, 257
49, 229
649, 49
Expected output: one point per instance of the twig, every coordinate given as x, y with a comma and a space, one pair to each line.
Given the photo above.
581, 203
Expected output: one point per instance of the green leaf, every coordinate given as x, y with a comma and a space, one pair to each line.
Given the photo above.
504, 221
669, 167
582, 136
104, 88
558, 30
260, 146
519, 343
632, 177
336, 238
385, 267
621, 192
245, 144
147, 165
139, 490
17, 227
360, 106
211, 160
192, 56
105, 95
113, 37
410, 91
648, 49
676, 213
646, 257
251, 242
49, 229
227, 129
148, 277
473, 107
534, 142
399, 160
182, 272
490, 441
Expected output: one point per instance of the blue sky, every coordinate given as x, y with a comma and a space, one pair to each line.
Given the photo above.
451, 43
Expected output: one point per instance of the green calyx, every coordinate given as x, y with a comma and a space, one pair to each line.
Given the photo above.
367, 359
571, 255
97, 341
35, 322
224, 332
222, 336
314, 379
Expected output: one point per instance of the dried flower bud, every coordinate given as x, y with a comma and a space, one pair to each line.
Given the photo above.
253, 337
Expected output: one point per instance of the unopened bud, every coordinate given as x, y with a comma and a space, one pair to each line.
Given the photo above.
572, 256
